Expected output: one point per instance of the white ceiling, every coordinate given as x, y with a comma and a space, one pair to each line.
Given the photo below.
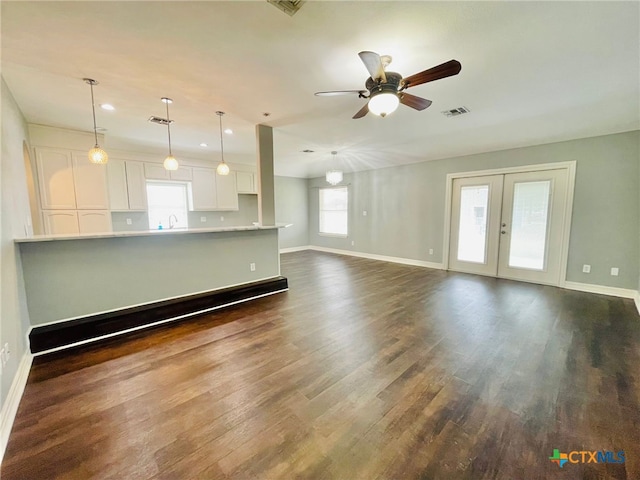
532, 73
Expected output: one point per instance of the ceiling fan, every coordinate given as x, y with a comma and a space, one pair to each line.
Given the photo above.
385, 90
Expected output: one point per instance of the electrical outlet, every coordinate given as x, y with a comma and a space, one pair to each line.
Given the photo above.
203, 219
431, 251
252, 267
586, 268
222, 219
615, 271
353, 242
129, 222
364, 213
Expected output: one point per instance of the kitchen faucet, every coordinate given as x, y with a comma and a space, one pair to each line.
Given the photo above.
172, 224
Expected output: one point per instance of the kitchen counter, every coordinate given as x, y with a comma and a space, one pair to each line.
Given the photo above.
144, 233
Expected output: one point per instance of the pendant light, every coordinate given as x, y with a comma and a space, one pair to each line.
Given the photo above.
334, 177
96, 154
170, 163
223, 168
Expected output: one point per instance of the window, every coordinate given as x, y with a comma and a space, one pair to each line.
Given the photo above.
334, 203
167, 203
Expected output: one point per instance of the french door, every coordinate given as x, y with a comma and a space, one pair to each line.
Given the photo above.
509, 225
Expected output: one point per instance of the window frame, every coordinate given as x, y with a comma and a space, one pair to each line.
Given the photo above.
320, 210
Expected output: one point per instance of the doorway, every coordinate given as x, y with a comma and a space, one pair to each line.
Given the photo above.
511, 224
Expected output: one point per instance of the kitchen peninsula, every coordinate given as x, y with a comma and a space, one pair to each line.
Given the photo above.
80, 288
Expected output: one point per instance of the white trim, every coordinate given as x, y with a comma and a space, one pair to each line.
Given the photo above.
295, 249
602, 290
125, 307
11, 403
159, 322
384, 258
570, 166
637, 300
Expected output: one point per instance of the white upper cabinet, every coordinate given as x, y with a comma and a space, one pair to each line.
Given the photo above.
55, 177
227, 192
127, 186
90, 183
246, 182
156, 171
203, 189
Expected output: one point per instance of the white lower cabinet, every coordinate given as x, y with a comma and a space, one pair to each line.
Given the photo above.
74, 222
60, 222
94, 221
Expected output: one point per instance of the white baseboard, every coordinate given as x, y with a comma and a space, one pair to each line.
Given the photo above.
637, 300
602, 290
384, 258
295, 249
10, 406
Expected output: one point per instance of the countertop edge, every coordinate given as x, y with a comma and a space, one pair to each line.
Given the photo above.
149, 233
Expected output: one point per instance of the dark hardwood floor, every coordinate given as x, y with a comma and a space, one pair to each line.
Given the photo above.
363, 370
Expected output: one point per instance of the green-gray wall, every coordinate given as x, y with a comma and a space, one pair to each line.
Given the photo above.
292, 207
405, 206
14, 212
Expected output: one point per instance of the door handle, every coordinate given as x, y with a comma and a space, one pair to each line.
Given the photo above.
503, 232
504, 224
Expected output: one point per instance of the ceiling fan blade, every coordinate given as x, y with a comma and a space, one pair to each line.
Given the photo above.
362, 112
447, 69
374, 65
412, 101
334, 93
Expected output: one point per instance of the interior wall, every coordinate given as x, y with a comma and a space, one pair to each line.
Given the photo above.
292, 207
405, 206
15, 217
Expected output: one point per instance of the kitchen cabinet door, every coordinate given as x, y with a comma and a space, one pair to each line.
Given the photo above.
90, 183
203, 189
94, 221
136, 186
182, 174
246, 182
227, 192
55, 178
60, 222
117, 180
155, 171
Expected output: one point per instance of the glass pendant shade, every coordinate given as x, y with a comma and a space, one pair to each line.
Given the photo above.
383, 104
334, 177
170, 163
98, 156
223, 169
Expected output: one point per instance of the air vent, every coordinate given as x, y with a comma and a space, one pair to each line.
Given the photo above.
290, 7
455, 112
159, 121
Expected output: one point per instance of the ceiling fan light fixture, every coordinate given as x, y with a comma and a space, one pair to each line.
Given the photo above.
96, 155
383, 103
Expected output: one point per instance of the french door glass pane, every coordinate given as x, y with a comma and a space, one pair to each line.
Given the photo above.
472, 232
529, 224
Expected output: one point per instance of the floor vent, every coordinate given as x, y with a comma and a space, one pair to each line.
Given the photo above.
454, 112
159, 121
290, 7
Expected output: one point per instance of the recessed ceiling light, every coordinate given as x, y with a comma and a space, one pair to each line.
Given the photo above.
228, 131
107, 106
203, 144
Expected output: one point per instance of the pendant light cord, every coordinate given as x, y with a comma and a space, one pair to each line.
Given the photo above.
169, 126
221, 142
93, 109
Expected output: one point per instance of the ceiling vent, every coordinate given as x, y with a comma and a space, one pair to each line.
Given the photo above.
454, 112
159, 121
290, 7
